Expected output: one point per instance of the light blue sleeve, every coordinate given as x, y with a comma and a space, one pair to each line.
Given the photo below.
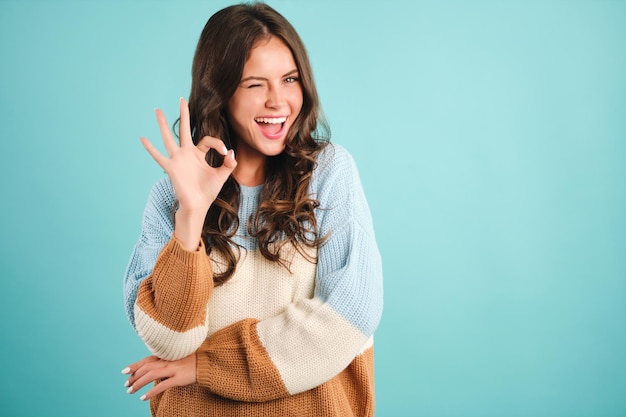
314, 339
156, 230
349, 271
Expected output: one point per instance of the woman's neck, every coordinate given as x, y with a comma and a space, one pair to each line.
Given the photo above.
250, 175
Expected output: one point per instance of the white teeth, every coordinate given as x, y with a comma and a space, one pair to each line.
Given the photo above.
270, 120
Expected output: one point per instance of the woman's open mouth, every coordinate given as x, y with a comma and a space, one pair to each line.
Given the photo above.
271, 127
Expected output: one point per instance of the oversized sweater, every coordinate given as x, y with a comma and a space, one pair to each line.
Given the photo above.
271, 341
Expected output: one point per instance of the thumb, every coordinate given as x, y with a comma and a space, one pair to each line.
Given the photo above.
228, 166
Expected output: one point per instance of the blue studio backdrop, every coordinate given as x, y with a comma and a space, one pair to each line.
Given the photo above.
491, 140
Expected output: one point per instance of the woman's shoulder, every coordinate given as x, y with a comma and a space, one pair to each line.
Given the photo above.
334, 160
333, 151
335, 174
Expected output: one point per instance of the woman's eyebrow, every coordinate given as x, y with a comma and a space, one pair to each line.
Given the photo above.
252, 78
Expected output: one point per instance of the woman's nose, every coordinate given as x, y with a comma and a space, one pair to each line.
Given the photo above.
274, 98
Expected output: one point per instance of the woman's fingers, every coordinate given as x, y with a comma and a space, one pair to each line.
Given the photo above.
209, 142
169, 374
185, 125
227, 167
132, 368
229, 164
145, 368
166, 134
153, 373
140, 372
224, 165
197, 172
154, 152
159, 388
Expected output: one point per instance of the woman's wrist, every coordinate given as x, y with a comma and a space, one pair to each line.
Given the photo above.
188, 228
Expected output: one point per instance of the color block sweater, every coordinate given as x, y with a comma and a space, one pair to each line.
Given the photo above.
271, 341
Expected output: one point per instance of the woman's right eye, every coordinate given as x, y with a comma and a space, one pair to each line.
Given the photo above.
254, 85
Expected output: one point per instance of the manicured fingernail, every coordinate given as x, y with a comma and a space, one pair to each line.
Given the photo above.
233, 151
224, 151
130, 390
126, 371
127, 383
143, 397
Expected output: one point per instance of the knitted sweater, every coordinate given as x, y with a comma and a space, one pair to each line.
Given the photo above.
271, 341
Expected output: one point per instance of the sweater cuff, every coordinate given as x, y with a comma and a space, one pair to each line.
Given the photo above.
177, 249
233, 363
177, 292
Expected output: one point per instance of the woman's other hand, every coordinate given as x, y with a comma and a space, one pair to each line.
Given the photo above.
170, 374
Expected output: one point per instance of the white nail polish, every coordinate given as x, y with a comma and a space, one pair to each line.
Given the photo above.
143, 397
130, 390
225, 151
127, 383
126, 370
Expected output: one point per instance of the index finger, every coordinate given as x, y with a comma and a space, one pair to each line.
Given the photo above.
185, 126
130, 369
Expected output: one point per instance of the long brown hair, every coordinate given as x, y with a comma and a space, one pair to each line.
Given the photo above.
286, 212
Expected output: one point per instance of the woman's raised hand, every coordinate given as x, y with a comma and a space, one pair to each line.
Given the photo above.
195, 182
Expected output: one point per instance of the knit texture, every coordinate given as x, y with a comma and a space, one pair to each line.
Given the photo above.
271, 341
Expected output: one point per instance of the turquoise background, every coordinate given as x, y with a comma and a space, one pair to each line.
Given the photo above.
491, 138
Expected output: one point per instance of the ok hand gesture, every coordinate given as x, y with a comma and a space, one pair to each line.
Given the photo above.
195, 182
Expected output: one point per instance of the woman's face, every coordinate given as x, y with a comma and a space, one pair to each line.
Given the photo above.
266, 102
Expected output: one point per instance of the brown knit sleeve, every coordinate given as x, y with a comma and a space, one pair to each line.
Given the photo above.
233, 363
171, 306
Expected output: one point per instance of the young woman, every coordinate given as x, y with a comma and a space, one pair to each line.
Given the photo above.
256, 282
